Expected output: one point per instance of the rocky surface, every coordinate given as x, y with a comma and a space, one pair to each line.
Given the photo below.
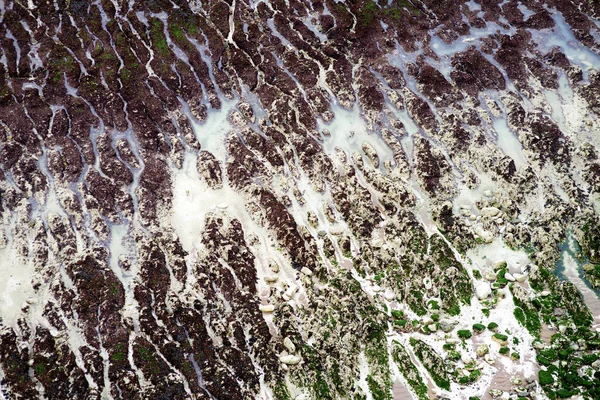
299, 200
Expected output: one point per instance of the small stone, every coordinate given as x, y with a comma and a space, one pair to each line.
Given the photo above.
515, 381
520, 277
521, 391
427, 283
509, 277
389, 296
466, 359
484, 235
289, 359
306, 271
545, 293
432, 328
271, 278
489, 359
490, 276
487, 193
482, 350
336, 230
266, 308
496, 393
499, 265
289, 345
291, 290
559, 312
490, 211
483, 290
446, 326
500, 339
452, 340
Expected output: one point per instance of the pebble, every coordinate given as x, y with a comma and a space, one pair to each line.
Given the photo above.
427, 283
484, 235
389, 296
521, 392
490, 211
509, 277
287, 342
266, 308
489, 359
466, 358
490, 276
499, 265
271, 278
291, 290
515, 381
483, 290
545, 293
447, 326
289, 359
502, 342
306, 271
482, 350
336, 230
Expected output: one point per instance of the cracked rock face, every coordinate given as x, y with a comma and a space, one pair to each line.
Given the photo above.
299, 199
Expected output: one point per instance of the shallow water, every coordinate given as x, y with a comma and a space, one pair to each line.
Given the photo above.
569, 268
562, 37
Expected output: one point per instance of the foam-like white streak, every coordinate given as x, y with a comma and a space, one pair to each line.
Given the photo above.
562, 36
309, 24
349, 131
509, 143
16, 284
526, 11
213, 131
193, 199
462, 43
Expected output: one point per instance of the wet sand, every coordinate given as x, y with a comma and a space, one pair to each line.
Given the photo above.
590, 298
400, 392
